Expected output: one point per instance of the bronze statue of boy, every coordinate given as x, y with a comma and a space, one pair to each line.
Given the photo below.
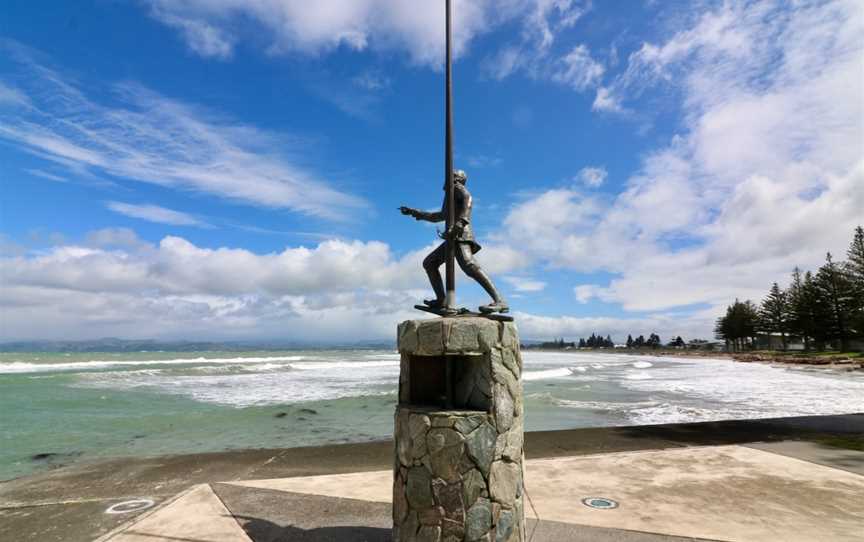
466, 246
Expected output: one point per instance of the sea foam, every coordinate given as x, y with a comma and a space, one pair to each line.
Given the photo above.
18, 367
546, 374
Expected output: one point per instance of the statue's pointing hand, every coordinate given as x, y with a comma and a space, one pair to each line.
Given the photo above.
409, 211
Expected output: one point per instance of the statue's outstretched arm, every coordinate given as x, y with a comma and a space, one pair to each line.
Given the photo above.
437, 216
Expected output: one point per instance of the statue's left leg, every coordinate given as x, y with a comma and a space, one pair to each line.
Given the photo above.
471, 268
431, 264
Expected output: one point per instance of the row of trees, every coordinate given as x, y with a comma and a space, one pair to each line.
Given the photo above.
596, 341
653, 341
822, 309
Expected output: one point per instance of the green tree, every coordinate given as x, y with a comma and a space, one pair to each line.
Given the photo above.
836, 300
799, 308
738, 326
855, 272
629, 341
813, 312
774, 314
855, 263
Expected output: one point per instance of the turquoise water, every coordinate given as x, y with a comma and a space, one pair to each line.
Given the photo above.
87, 406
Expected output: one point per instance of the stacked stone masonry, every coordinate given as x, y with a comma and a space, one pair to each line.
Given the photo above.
458, 473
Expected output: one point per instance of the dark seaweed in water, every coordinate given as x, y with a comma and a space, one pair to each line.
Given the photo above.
307, 411
43, 456
53, 457
280, 414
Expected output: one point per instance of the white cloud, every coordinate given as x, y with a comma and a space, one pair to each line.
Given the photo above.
116, 284
578, 69
155, 213
149, 138
523, 284
542, 21
585, 292
371, 81
46, 175
202, 37
501, 258
534, 54
213, 28
765, 174
123, 238
592, 176
544, 225
605, 101
10, 96
667, 325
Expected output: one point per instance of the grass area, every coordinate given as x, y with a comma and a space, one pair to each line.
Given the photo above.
845, 442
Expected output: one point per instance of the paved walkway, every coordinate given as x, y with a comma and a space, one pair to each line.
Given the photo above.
756, 480
730, 493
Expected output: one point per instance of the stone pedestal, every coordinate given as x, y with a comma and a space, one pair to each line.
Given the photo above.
458, 469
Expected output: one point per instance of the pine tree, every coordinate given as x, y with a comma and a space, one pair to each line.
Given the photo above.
774, 312
581, 343
629, 341
855, 272
794, 297
723, 328
609, 343
748, 320
855, 255
812, 312
738, 326
837, 299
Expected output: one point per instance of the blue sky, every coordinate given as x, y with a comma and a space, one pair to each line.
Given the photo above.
217, 169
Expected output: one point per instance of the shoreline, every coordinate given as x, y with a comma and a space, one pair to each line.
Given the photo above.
840, 362
357, 456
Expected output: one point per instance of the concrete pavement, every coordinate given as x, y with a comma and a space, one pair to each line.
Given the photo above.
684, 481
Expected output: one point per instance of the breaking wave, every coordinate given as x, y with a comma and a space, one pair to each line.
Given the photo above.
546, 374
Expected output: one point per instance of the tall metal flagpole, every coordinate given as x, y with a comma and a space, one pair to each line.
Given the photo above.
450, 269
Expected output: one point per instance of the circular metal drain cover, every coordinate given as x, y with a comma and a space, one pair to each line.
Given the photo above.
135, 505
600, 503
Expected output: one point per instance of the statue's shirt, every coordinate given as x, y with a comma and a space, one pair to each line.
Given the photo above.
462, 199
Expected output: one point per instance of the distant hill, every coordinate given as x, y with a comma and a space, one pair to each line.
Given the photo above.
132, 345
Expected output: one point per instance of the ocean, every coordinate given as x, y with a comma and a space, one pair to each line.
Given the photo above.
60, 408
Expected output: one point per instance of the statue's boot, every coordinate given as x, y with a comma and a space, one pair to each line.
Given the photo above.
434, 303
496, 306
